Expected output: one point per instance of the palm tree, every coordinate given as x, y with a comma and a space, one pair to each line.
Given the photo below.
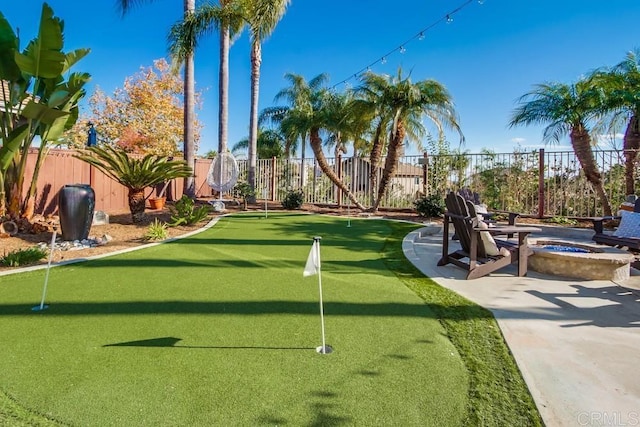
183, 40
371, 103
298, 98
566, 109
322, 117
134, 173
262, 16
622, 107
400, 106
189, 94
271, 143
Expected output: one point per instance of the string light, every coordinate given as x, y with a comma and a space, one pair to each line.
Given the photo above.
448, 18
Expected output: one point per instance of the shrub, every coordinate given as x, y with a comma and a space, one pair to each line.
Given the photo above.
244, 190
429, 206
562, 220
23, 257
293, 199
185, 212
157, 231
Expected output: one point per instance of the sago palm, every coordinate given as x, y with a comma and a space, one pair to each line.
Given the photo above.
566, 109
136, 174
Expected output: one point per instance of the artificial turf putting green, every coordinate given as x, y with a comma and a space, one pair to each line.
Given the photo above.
220, 328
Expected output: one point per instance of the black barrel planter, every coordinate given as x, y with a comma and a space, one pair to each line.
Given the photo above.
75, 209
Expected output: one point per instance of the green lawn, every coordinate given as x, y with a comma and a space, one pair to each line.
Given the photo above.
220, 329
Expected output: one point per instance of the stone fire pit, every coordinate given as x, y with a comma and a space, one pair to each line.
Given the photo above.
579, 259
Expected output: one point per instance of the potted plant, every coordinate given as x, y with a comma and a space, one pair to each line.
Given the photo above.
160, 199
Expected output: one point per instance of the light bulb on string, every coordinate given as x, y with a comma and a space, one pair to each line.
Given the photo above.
448, 19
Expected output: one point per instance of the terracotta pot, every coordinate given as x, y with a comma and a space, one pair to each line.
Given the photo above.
157, 203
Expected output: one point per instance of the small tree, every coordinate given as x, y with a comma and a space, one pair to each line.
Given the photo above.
144, 117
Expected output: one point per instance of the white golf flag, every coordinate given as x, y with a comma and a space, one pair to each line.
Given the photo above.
313, 261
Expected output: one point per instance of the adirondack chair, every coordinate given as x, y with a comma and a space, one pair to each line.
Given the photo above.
629, 239
484, 253
474, 198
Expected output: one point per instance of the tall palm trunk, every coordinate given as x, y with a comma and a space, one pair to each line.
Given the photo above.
256, 60
631, 147
303, 149
189, 111
581, 143
316, 146
390, 163
136, 204
374, 158
223, 87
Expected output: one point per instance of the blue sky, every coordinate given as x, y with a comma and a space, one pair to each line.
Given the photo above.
488, 56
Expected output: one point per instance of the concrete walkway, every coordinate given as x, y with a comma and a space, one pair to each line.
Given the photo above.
577, 342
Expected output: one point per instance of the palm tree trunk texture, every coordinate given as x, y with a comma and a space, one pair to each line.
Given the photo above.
390, 163
581, 142
189, 111
223, 87
631, 147
374, 158
316, 146
303, 146
256, 60
136, 205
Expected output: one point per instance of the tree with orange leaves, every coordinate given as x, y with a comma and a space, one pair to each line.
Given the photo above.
145, 116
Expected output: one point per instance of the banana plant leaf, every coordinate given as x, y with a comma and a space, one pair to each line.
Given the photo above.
43, 56
11, 145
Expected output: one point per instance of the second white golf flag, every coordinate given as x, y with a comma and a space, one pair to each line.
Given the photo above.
313, 261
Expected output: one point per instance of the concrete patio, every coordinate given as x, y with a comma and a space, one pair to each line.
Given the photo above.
575, 341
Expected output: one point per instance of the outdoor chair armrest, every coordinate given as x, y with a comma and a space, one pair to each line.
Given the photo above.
598, 223
513, 217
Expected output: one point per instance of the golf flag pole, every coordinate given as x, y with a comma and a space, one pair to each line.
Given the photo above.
46, 277
312, 267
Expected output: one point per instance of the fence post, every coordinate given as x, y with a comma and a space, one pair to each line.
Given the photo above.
425, 162
272, 183
339, 171
541, 183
